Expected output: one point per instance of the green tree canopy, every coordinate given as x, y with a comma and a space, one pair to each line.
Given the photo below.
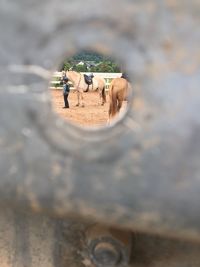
106, 66
101, 63
80, 68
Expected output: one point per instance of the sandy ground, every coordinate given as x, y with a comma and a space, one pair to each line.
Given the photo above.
92, 114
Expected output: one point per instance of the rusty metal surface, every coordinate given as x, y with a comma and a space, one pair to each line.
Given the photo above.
40, 241
142, 172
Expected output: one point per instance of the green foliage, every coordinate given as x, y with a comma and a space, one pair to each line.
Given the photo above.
66, 65
80, 68
106, 66
88, 56
101, 63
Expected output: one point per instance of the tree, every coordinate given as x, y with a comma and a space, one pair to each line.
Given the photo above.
66, 65
105, 64
103, 67
81, 68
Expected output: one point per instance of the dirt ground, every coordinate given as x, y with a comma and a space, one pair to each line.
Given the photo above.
92, 114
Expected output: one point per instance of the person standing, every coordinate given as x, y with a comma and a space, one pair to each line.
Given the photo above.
63, 77
66, 90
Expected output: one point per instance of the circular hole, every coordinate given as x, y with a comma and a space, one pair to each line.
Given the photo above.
90, 90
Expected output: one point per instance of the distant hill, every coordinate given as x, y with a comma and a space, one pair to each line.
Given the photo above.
90, 61
89, 56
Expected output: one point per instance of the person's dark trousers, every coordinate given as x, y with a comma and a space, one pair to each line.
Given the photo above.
66, 101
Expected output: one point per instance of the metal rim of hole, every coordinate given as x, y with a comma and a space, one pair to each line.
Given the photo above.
88, 135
